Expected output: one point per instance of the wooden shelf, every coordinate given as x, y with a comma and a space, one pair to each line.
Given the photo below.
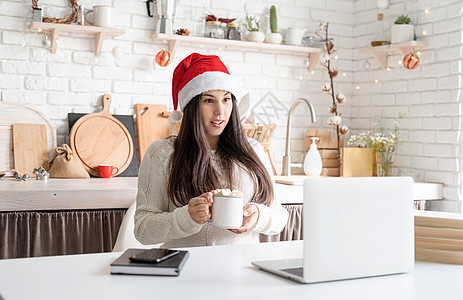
56, 29
380, 52
174, 40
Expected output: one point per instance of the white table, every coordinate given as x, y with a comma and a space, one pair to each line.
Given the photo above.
221, 272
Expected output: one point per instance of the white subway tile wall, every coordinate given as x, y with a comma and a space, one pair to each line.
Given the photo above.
73, 79
430, 95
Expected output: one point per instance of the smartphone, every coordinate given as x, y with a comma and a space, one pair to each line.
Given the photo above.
154, 255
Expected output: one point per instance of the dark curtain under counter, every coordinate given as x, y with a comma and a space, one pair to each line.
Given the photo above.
44, 233
77, 216
36, 233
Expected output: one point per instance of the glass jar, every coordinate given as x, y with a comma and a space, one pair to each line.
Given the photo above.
214, 30
233, 31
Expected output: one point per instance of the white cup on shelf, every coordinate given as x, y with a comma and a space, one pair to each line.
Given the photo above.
294, 36
100, 15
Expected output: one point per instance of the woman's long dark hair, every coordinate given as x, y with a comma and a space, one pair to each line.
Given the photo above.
192, 173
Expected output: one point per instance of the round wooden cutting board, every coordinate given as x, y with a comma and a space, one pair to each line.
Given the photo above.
100, 138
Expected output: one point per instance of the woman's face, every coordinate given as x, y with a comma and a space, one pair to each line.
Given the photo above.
216, 107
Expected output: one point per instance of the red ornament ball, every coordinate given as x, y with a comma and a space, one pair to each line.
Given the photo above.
163, 58
411, 61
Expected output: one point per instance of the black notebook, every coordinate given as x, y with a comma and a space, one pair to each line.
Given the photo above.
169, 267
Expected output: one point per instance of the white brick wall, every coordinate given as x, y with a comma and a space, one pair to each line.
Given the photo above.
73, 79
430, 95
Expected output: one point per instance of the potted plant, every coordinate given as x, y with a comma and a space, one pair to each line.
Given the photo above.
273, 37
252, 25
402, 30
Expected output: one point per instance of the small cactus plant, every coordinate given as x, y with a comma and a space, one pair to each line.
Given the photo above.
249, 23
403, 19
273, 19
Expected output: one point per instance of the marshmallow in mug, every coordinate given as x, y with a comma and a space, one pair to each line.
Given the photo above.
227, 192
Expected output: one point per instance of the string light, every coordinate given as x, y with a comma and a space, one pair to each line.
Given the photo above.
427, 10
336, 57
307, 62
358, 87
344, 74
418, 52
376, 80
312, 72
400, 62
300, 78
388, 68
425, 32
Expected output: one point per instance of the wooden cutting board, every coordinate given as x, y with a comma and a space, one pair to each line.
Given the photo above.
152, 125
30, 148
100, 138
11, 113
128, 122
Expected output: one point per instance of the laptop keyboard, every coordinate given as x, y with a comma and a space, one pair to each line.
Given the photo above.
295, 271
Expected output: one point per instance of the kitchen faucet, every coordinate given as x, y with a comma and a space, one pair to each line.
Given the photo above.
286, 169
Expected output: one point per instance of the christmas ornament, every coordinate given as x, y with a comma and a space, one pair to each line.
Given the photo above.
411, 61
117, 53
46, 42
382, 4
366, 65
163, 58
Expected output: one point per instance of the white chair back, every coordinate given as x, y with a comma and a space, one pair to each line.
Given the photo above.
126, 238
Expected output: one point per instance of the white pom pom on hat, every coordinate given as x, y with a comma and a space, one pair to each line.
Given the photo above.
196, 74
176, 116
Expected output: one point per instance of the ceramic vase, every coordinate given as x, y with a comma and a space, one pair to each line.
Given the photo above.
273, 38
402, 33
255, 36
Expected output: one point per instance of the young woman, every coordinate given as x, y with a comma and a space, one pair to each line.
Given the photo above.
211, 151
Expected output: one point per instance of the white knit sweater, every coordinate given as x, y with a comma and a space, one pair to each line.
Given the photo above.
157, 220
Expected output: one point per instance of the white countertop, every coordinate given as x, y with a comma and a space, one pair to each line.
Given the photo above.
120, 192
292, 191
64, 194
219, 272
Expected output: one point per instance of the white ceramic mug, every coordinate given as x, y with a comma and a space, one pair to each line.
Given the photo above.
227, 212
294, 36
100, 15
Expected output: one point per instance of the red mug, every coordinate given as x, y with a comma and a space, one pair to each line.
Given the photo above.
107, 171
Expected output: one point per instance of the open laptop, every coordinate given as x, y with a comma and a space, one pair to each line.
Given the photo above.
352, 227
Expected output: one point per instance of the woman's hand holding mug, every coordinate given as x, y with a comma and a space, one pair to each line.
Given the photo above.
250, 217
199, 208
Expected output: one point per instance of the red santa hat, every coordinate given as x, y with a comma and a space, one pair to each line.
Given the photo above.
196, 74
